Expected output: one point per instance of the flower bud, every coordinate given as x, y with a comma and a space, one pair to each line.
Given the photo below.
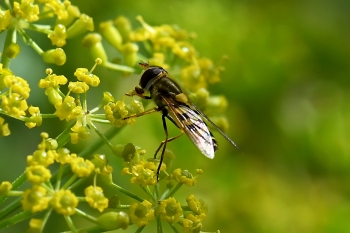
54, 56
81, 25
12, 50
111, 34
114, 220
92, 41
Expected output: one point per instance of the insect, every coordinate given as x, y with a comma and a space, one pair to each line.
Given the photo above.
156, 84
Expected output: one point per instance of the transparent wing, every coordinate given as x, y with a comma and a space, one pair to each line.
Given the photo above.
191, 122
217, 128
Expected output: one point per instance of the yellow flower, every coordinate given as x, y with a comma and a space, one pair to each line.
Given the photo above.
82, 167
4, 129
35, 199
17, 85
115, 112
15, 105
184, 177
59, 8
35, 119
196, 206
80, 131
62, 156
94, 196
54, 56
38, 174
170, 210
85, 76
81, 25
41, 157
68, 109
78, 87
5, 18
192, 78
143, 173
59, 35
141, 213
27, 10
64, 202
5, 187
192, 224
52, 80
35, 225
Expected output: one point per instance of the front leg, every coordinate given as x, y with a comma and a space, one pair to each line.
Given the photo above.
139, 92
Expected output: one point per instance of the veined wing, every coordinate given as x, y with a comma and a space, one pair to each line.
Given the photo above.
191, 122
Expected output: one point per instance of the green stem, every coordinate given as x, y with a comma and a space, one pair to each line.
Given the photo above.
10, 37
59, 177
173, 227
5, 211
18, 182
64, 137
45, 218
103, 137
48, 115
70, 181
171, 193
122, 190
31, 42
148, 191
117, 67
70, 223
86, 216
140, 229
16, 218
159, 225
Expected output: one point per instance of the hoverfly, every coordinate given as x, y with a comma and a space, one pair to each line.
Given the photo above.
156, 84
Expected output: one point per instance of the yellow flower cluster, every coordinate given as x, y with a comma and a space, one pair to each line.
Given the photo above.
116, 112
41, 195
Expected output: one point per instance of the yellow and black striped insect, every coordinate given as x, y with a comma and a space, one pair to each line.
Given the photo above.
155, 84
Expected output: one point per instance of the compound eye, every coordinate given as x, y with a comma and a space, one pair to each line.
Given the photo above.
149, 74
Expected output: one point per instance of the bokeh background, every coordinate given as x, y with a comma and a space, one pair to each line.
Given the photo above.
287, 84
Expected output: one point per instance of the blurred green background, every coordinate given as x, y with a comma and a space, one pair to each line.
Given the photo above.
287, 84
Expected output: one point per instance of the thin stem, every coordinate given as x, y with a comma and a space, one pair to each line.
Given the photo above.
59, 177
159, 225
70, 181
148, 191
173, 227
10, 208
45, 218
140, 229
16, 218
117, 67
31, 42
103, 137
18, 182
171, 193
70, 223
86, 216
10, 37
122, 190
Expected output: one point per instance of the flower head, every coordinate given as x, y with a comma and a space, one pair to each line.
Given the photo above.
94, 196
36, 118
5, 187
81, 167
141, 213
64, 202
14, 104
35, 199
170, 210
5, 17
59, 35
4, 128
68, 109
184, 177
198, 207
38, 174
85, 76
27, 10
